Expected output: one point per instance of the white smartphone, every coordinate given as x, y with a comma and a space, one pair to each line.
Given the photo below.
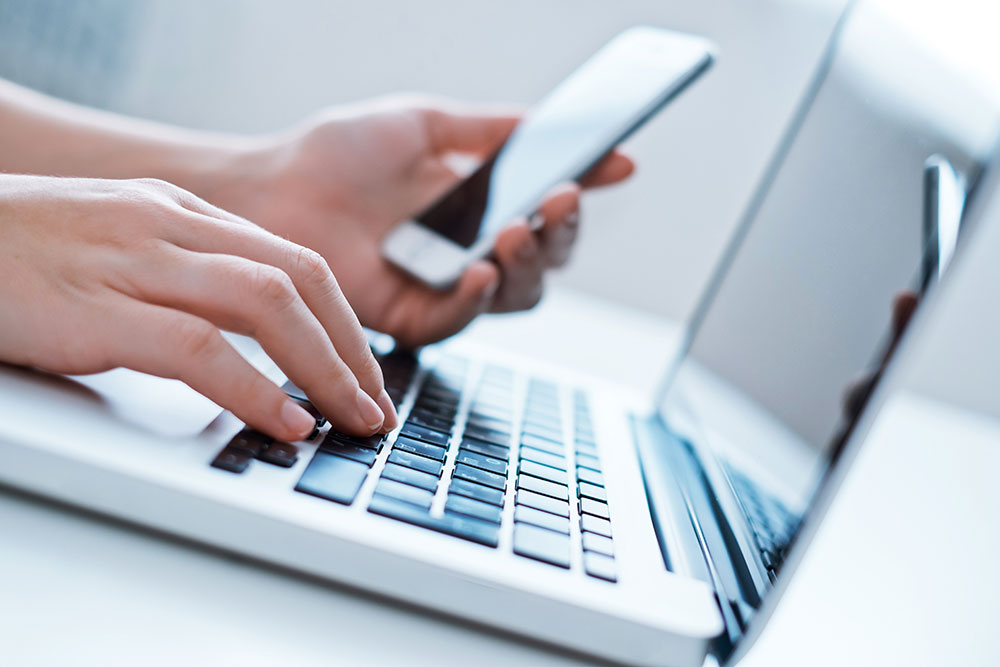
600, 104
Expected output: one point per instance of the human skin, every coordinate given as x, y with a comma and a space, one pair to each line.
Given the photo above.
335, 184
99, 274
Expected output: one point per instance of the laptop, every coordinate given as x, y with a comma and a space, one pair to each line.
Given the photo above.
641, 529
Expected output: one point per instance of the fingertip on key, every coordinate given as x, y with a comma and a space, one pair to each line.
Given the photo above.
369, 411
388, 411
297, 420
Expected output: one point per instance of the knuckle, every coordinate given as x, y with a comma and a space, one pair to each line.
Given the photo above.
156, 184
311, 267
156, 188
274, 287
196, 339
142, 195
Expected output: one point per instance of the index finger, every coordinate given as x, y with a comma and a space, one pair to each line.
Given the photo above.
314, 281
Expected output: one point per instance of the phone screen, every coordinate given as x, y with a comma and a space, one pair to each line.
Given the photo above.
560, 139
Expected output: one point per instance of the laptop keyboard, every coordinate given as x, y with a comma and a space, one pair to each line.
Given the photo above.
772, 524
467, 461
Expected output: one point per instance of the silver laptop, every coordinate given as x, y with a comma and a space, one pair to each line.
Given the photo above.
640, 529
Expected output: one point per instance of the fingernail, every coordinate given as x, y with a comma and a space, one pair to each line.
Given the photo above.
388, 410
527, 249
296, 419
572, 220
371, 413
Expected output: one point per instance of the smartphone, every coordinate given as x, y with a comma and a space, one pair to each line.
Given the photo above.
607, 98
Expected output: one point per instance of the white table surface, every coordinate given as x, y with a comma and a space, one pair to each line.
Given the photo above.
902, 576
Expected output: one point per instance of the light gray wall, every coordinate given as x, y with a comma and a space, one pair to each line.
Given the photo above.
256, 64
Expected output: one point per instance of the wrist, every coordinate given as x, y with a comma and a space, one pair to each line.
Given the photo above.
207, 165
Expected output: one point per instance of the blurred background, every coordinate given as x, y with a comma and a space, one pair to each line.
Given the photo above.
256, 65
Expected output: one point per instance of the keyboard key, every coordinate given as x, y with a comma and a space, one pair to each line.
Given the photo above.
541, 544
540, 386
544, 444
486, 449
499, 401
455, 525
280, 454
597, 508
595, 524
410, 476
544, 503
369, 442
525, 514
483, 477
600, 566
590, 476
404, 493
476, 492
598, 543
543, 411
545, 458
587, 461
479, 461
422, 448
439, 408
411, 460
444, 394
488, 435
232, 460
592, 491
538, 470
488, 424
353, 452
423, 418
489, 410
586, 448
251, 442
473, 508
333, 477
424, 434
532, 428
550, 421
543, 486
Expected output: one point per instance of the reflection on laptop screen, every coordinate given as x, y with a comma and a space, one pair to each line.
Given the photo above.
781, 353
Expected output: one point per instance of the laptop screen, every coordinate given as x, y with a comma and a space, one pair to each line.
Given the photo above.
826, 267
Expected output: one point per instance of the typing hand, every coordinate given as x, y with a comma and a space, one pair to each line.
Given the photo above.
340, 181
97, 274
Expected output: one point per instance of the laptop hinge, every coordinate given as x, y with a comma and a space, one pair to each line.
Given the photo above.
691, 532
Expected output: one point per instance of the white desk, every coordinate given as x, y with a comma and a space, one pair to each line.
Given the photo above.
79, 590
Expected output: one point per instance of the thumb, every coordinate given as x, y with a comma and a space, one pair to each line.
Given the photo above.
430, 315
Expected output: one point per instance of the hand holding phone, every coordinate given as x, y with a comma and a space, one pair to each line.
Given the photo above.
565, 135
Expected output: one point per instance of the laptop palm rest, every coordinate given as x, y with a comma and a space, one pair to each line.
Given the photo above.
144, 403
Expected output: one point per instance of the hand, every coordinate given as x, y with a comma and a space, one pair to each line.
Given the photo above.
339, 182
96, 274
